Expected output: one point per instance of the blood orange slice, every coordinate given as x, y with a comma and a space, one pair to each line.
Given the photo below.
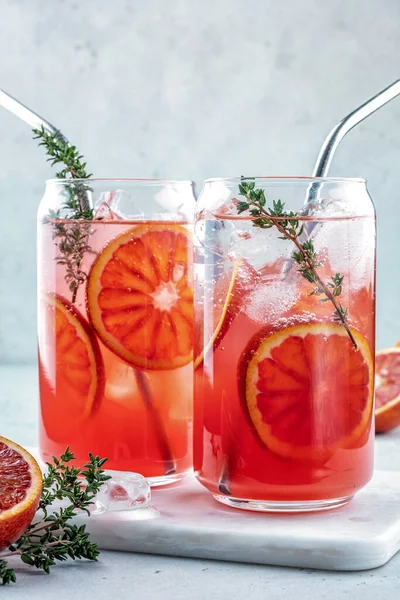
387, 389
307, 390
71, 368
140, 296
227, 297
20, 490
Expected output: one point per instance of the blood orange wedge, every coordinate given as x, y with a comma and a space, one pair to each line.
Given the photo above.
20, 490
140, 296
387, 389
307, 390
227, 297
71, 368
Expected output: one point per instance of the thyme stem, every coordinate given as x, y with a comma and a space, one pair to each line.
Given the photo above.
319, 281
289, 226
56, 539
72, 239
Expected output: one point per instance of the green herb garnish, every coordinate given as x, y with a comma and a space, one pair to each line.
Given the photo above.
290, 227
55, 538
72, 239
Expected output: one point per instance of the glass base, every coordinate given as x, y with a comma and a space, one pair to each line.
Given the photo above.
165, 479
283, 507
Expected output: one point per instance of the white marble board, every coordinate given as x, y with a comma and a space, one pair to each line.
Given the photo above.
362, 535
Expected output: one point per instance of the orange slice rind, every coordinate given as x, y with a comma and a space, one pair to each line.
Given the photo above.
228, 296
307, 390
387, 389
72, 367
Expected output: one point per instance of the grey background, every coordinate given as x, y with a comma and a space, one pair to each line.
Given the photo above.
192, 89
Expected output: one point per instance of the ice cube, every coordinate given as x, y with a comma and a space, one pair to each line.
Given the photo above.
327, 207
124, 491
116, 205
104, 213
174, 200
272, 299
258, 246
345, 239
349, 246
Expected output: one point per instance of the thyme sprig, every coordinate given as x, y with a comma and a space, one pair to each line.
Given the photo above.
72, 239
54, 538
291, 228
60, 151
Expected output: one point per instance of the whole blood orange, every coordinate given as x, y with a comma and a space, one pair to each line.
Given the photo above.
306, 388
140, 297
71, 368
20, 490
387, 389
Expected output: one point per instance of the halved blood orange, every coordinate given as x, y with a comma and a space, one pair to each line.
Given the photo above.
222, 302
20, 490
387, 389
71, 368
140, 296
307, 390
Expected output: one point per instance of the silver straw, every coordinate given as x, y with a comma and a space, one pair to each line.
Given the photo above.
35, 121
27, 115
336, 135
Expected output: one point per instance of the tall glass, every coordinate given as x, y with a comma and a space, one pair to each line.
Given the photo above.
115, 328
284, 341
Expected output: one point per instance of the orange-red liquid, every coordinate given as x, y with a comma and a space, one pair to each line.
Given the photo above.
230, 458
140, 419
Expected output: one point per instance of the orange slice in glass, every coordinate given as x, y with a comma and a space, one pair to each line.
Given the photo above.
71, 368
387, 389
227, 297
307, 390
140, 296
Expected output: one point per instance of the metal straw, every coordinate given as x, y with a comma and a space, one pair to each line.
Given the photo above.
336, 135
27, 115
37, 122
321, 168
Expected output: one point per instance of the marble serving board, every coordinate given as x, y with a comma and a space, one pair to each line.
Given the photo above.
362, 535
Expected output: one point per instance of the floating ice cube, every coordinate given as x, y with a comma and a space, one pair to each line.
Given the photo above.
258, 246
349, 246
271, 299
105, 213
345, 239
124, 491
174, 200
327, 207
116, 205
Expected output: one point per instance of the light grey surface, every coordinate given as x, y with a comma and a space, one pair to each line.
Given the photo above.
119, 576
182, 89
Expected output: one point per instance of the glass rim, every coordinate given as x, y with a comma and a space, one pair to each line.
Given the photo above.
287, 178
137, 180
